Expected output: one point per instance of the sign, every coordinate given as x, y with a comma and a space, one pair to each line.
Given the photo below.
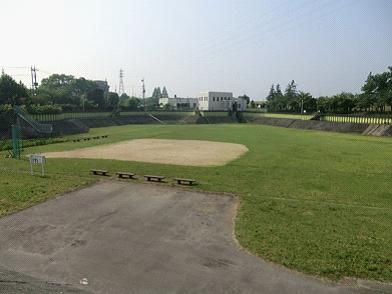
37, 159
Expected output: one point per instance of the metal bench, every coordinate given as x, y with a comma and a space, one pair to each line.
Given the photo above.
152, 178
125, 175
188, 182
99, 172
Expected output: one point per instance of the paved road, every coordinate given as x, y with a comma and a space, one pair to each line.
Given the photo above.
139, 238
16, 283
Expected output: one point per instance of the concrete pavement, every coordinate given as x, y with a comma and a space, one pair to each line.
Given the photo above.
140, 238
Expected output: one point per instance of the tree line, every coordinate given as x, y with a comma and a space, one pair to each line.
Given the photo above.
376, 96
62, 93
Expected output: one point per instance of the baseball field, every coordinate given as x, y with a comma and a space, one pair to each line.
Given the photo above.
316, 202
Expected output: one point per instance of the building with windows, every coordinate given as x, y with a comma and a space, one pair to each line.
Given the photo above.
207, 101
178, 103
220, 101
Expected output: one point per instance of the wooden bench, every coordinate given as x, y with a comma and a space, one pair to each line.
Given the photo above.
181, 181
125, 175
99, 172
151, 178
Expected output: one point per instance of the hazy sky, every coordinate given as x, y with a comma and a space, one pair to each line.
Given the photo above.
326, 46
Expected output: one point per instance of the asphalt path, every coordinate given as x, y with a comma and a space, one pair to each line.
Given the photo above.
119, 237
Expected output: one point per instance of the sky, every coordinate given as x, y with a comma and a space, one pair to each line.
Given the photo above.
326, 46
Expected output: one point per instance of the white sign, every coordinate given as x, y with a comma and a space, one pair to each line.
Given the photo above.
37, 159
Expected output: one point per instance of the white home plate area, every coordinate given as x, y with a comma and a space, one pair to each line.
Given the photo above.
178, 152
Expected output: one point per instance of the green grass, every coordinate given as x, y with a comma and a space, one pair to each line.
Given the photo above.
317, 202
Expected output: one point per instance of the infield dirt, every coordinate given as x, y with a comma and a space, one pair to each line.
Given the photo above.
178, 152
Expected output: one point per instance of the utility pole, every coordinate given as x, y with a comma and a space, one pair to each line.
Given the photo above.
32, 79
144, 94
121, 84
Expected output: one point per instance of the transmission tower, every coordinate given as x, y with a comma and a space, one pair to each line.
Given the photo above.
34, 83
121, 84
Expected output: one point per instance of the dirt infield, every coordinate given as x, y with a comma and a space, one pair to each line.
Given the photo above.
178, 152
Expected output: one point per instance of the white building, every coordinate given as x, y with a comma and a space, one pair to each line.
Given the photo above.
207, 101
178, 103
220, 101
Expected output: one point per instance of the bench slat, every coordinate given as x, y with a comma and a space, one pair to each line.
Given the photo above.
99, 172
182, 181
156, 178
185, 180
126, 175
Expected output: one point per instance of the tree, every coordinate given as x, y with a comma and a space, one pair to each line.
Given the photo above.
80, 88
97, 97
271, 94
74, 92
12, 92
114, 100
156, 94
378, 90
246, 98
164, 93
290, 95
280, 100
129, 103
57, 89
305, 101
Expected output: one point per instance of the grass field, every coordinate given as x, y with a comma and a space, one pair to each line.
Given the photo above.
320, 203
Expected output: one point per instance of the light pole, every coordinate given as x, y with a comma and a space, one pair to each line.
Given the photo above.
144, 95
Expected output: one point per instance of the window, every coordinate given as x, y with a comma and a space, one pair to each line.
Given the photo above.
213, 98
